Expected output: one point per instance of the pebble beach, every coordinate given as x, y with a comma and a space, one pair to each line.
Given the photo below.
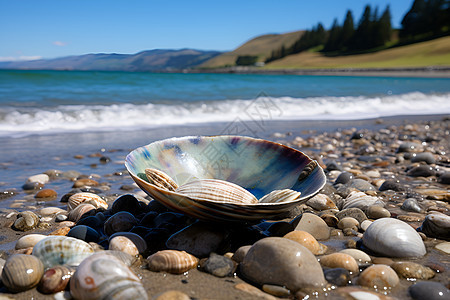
379, 229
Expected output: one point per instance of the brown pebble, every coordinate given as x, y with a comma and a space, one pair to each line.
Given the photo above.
276, 290
60, 231
78, 156
173, 295
351, 244
46, 193
411, 218
85, 182
410, 269
250, 289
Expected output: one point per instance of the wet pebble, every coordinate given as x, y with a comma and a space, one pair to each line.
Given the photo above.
377, 212
39, 178
360, 257
121, 221
46, 193
344, 178
412, 270
81, 210
127, 203
340, 260
240, 253
393, 185
276, 290
22, 272
408, 147
429, 290
348, 222
137, 240
436, 225
307, 240
31, 186
444, 178
283, 262
426, 157
337, 276
421, 171
314, 225
411, 204
361, 185
219, 266
85, 182
379, 277
354, 212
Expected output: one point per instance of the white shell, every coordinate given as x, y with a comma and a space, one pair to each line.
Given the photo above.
29, 240
361, 200
278, 196
87, 198
103, 276
217, 191
61, 250
393, 238
160, 179
124, 244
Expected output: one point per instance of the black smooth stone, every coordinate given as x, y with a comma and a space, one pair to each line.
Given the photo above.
429, 290
279, 229
332, 166
169, 217
338, 276
444, 178
392, 185
426, 157
344, 178
421, 171
147, 219
105, 159
91, 221
84, 233
357, 135
156, 207
127, 203
31, 186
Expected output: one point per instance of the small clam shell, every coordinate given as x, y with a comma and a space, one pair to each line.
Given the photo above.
160, 179
103, 276
279, 196
217, 191
55, 279
88, 198
361, 200
124, 244
171, 261
76, 214
61, 250
29, 240
393, 238
22, 272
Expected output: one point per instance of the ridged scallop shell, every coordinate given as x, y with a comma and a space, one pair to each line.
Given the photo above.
21, 272
55, 279
217, 191
393, 238
278, 196
160, 179
361, 200
88, 198
171, 261
103, 276
61, 250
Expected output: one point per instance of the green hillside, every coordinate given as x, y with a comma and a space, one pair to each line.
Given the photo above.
261, 46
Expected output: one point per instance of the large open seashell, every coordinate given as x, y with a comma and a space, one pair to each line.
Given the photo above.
257, 165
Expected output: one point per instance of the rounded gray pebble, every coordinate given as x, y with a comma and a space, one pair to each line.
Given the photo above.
426, 157
219, 266
429, 290
421, 171
344, 177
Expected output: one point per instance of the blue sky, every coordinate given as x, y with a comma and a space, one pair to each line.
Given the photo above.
56, 28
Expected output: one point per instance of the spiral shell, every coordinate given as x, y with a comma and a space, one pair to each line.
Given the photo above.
103, 276
278, 196
171, 261
86, 197
217, 191
22, 272
61, 250
160, 179
393, 238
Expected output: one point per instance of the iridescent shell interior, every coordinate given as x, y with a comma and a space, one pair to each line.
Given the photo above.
258, 165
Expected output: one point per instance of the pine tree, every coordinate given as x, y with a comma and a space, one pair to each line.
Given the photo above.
348, 30
385, 25
334, 37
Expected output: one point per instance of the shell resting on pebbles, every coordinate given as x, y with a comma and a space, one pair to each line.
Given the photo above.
22, 272
160, 179
172, 261
217, 191
393, 238
87, 198
61, 250
103, 276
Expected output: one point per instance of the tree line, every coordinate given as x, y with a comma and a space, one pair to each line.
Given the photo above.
426, 19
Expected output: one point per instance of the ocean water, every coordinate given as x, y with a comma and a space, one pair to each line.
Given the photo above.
49, 102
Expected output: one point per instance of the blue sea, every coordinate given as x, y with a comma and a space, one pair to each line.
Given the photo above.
49, 102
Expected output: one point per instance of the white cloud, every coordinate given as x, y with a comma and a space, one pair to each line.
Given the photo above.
19, 58
59, 43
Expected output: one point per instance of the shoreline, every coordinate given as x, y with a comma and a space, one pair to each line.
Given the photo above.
425, 72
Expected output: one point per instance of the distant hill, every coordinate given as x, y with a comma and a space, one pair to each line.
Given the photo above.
152, 60
261, 46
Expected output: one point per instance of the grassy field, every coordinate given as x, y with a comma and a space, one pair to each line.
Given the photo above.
425, 54
431, 53
261, 46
